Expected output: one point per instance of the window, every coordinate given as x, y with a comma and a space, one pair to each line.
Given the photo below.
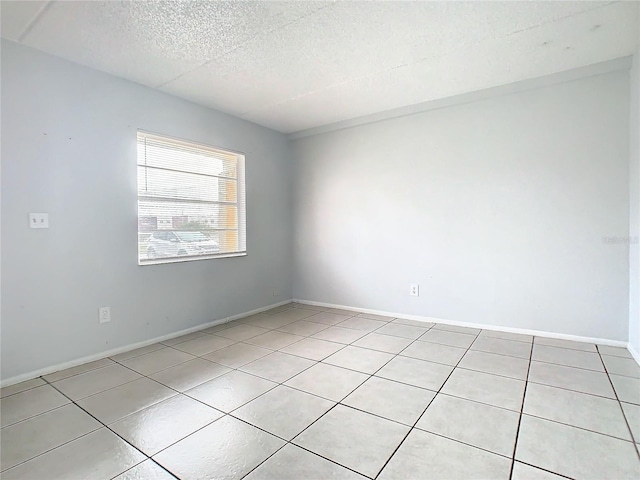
190, 201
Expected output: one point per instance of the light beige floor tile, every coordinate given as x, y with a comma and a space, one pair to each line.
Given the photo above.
28, 403
517, 337
250, 318
25, 440
340, 334
203, 345
327, 381
574, 452
274, 340
294, 463
416, 372
557, 342
95, 381
223, 326
293, 314
500, 346
69, 372
112, 405
621, 366
328, 318
571, 378
227, 449
307, 306
189, 374
360, 359
404, 331
485, 388
434, 352
182, 339
163, 424
425, 455
342, 311
395, 401
312, 348
231, 390
352, 438
237, 355
241, 332
277, 367
627, 388
632, 413
383, 343
21, 387
477, 424
453, 339
284, 411
270, 321
156, 361
280, 309
414, 323
497, 364
303, 328
594, 413
457, 329
373, 316
567, 357
523, 471
361, 323
138, 351
614, 351
100, 454
147, 470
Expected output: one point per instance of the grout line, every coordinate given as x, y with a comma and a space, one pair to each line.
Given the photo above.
635, 445
524, 396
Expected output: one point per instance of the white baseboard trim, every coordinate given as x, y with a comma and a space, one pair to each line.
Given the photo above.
634, 353
497, 328
114, 351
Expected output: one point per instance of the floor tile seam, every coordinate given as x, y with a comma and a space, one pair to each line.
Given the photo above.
146, 460
104, 425
569, 389
524, 397
31, 388
113, 362
435, 327
106, 389
577, 426
486, 335
491, 373
2, 472
423, 411
498, 353
624, 415
595, 345
441, 435
167, 368
75, 374
543, 469
36, 416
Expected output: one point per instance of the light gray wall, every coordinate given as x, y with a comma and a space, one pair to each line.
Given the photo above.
69, 149
634, 214
497, 208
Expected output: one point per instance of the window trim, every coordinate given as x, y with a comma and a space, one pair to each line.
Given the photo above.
240, 192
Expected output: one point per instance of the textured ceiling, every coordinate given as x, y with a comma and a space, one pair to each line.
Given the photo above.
292, 65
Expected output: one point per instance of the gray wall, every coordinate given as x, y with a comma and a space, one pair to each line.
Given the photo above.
497, 208
634, 216
68, 148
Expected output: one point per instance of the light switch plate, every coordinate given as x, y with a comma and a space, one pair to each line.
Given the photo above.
39, 220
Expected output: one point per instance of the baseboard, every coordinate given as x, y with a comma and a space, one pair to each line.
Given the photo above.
524, 331
90, 358
634, 353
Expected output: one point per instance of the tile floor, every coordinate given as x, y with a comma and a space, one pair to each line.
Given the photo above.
303, 392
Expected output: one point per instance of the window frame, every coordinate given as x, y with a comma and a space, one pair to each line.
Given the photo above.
240, 203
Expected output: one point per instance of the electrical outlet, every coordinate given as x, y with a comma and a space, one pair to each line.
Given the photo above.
104, 314
276, 293
414, 290
38, 220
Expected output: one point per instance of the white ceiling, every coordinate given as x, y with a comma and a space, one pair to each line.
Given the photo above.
293, 65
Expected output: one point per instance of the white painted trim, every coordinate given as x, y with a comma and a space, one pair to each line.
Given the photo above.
617, 64
114, 351
497, 328
634, 354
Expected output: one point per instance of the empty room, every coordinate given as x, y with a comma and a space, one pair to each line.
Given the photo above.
308, 240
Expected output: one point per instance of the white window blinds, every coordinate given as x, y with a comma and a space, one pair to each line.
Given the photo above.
191, 202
